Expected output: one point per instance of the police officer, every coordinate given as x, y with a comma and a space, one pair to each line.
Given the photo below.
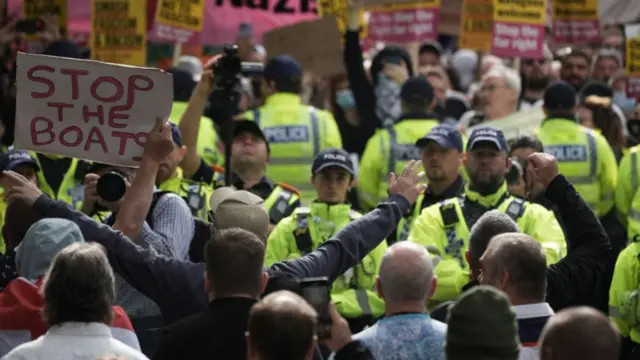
390, 149
627, 194
250, 154
442, 154
444, 227
584, 156
61, 177
23, 163
296, 132
332, 176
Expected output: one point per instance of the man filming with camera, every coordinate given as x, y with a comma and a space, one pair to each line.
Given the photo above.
168, 229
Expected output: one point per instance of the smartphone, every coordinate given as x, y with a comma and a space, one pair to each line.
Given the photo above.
29, 26
317, 292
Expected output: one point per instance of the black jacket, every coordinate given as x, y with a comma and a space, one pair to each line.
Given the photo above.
178, 286
573, 280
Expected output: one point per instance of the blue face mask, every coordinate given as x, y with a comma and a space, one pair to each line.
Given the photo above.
345, 99
626, 104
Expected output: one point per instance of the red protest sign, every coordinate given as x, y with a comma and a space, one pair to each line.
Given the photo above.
404, 22
88, 109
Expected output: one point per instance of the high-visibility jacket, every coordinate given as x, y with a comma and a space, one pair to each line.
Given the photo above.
195, 193
209, 143
296, 134
443, 229
389, 150
585, 159
627, 198
624, 294
279, 203
71, 188
354, 292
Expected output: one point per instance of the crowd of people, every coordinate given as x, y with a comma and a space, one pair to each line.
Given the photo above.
439, 236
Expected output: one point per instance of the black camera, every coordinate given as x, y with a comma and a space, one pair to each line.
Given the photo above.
112, 186
518, 170
229, 68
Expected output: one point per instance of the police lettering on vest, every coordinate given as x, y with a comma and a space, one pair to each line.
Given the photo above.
286, 134
567, 153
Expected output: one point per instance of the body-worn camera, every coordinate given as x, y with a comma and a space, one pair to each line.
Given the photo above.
112, 186
229, 68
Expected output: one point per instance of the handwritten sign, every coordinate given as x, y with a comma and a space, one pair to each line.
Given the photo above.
476, 29
36, 9
575, 21
324, 58
178, 20
519, 28
404, 22
119, 33
88, 109
632, 63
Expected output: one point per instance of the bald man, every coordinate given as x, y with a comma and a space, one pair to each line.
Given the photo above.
406, 282
579, 333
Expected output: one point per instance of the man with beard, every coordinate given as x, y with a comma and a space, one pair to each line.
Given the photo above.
444, 228
575, 69
442, 154
535, 75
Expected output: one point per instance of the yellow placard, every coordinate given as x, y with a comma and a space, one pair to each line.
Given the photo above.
575, 9
181, 14
35, 9
427, 4
633, 56
119, 33
340, 9
533, 12
476, 30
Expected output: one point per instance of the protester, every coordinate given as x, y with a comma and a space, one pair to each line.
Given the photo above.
405, 282
579, 333
606, 63
535, 75
597, 113
79, 290
22, 302
575, 68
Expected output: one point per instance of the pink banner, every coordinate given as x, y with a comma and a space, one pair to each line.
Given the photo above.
573, 31
221, 17
517, 40
403, 26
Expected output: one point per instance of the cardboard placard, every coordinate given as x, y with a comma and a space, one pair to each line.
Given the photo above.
88, 109
322, 57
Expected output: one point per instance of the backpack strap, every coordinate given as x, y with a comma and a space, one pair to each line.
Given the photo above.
516, 208
448, 213
301, 233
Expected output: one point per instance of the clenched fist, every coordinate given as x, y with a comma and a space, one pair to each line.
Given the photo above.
542, 168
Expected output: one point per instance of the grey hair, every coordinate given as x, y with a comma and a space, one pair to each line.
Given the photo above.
79, 286
406, 273
510, 77
490, 224
608, 54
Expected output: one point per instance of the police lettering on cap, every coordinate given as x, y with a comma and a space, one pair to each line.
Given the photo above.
488, 134
15, 158
444, 135
333, 158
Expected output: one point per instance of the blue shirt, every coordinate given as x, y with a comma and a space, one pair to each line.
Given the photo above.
405, 337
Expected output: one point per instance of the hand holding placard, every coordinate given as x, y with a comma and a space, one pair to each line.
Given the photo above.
159, 141
88, 109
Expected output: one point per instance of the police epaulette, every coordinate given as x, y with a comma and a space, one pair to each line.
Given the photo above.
289, 187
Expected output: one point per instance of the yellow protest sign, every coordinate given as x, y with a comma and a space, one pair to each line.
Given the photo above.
181, 14
476, 29
119, 33
531, 12
35, 9
632, 34
340, 9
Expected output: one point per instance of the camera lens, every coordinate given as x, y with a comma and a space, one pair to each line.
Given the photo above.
111, 186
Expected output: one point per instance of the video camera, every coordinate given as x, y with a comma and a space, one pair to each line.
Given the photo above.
229, 68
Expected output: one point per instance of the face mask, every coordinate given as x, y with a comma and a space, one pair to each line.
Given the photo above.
625, 103
345, 99
388, 107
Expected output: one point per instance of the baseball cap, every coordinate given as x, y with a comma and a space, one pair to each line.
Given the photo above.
559, 96
248, 126
333, 157
14, 158
431, 46
597, 88
282, 68
417, 90
176, 135
444, 135
239, 208
488, 134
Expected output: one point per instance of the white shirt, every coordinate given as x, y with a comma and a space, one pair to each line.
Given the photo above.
74, 341
527, 312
